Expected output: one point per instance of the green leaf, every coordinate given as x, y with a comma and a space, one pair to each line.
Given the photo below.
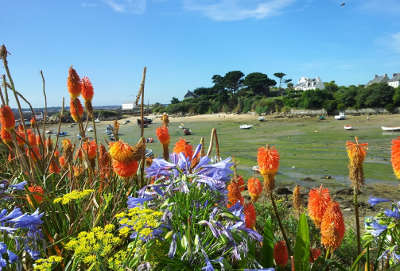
302, 247
267, 250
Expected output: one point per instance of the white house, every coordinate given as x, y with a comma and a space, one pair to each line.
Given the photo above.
128, 106
309, 84
395, 81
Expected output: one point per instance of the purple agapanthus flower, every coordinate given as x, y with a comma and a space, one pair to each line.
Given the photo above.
135, 202
393, 213
374, 201
377, 228
19, 186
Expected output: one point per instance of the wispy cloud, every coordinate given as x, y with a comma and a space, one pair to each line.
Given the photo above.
234, 10
390, 43
127, 6
387, 6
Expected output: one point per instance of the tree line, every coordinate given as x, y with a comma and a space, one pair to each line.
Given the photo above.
235, 92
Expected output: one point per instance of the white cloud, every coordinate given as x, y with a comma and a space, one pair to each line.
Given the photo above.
387, 6
127, 6
233, 10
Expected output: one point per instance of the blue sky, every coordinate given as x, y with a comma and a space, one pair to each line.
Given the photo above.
184, 42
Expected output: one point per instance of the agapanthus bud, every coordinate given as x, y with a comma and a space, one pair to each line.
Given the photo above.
318, 200
73, 83
76, 109
281, 254
332, 226
254, 187
7, 119
184, 147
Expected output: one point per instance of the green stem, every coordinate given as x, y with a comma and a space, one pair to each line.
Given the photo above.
356, 213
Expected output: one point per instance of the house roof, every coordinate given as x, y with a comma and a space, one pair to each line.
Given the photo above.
379, 79
396, 77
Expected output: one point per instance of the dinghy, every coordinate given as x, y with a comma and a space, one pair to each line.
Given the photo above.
348, 127
261, 118
245, 126
390, 129
341, 116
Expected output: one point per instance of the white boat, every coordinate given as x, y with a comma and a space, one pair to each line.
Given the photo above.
97, 120
90, 129
245, 126
261, 118
62, 134
256, 168
390, 129
341, 116
49, 132
348, 127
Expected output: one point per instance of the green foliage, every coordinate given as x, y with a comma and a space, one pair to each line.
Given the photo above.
302, 246
267, 250
258, 83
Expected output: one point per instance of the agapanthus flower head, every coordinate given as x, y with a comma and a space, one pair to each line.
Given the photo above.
5, 136
73, 83
76, 109
255, 188
314, 254
163, 135
281, 254
356, 152
90, 149
7, 119
184, 147
37, 194
332, 226
87, 89
374, 201
297, 198
268, 160
125, 169
396, 156
318, 201
120, 151
250, 215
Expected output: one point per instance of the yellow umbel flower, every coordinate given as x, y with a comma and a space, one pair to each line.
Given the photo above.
46, 264
74, 195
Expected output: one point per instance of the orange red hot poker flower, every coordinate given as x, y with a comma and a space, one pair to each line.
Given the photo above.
268, 160
396, 156
255, 188
163, 135
73, 83
120, 151
7, 119
281, 254
125, 169
318, 201
87, 89
249, 215
76, 109
183, 146
332, 226
90, 149
356, 152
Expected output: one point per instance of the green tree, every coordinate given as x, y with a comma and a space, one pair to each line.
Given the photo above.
280, 75
331, 86
233, 81
174, 100
259, 83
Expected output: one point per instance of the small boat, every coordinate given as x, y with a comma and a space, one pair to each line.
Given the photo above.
245, 126
126, 122
341, 116
348, 127
49, 132
148, 153
187, 131
97, 120
62, 134
261, 118
90, 129
390, 129
255, 168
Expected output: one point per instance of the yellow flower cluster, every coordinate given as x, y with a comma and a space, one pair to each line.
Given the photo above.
141, 220
74, 195
46, 264
90, 246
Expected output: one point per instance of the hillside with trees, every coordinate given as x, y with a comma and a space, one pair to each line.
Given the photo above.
240, 93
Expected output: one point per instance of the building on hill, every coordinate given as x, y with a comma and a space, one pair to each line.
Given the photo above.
309, 84
379, 79
395, 81
189, 95
128, 106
